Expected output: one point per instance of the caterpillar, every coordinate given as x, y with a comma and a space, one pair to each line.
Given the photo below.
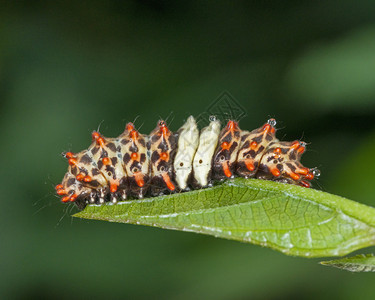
134, 165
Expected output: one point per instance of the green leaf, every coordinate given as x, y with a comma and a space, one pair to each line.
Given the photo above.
358, 263
292, 219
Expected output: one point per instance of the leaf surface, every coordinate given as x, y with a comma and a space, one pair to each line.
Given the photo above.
358, 263
288, 218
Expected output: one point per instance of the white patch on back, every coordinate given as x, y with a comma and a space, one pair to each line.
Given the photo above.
187, 146
203, 157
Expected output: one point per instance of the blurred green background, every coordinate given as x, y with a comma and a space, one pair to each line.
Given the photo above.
68, 66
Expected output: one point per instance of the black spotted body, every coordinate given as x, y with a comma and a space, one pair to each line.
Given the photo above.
225, 156
252, 148
135, 160
162, 149
134, 165
108, 161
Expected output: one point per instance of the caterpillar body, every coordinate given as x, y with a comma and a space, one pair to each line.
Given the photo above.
134, 165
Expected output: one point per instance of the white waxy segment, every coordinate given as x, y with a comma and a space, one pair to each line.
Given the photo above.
187, 146
203, 157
